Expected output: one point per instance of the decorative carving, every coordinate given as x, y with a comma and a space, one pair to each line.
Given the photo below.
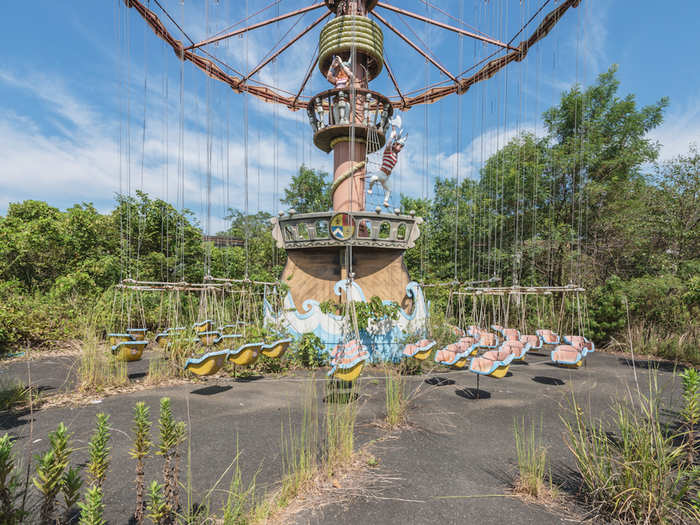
341, 109
389, 159
392, 231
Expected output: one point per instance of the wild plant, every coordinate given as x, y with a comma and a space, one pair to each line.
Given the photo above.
140, 448
50, 471
11, 487
156, 507
396, 401
237, 500
92, 509
14, 392
690, 413
70, 488
99, 451
172, 434
300, 445
630, 465
532, 459
340, 429
98, 369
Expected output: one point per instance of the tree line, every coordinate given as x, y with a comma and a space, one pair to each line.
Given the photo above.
587, 202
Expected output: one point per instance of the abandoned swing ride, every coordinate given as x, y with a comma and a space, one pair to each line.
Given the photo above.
354, 252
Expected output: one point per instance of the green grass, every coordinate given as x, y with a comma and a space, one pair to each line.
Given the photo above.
396, 401
532, 460
632, 467
300, 446
654, 340
14, 393
97, 368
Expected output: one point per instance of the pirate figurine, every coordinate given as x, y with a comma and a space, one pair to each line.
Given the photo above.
340, 73
390, 157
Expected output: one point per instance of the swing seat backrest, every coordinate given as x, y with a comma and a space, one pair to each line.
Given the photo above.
511, 334
548, 337
468, 342
474, 331
348, 354
139, 334
447, 353
579, 342
488, 340
566, 354
422, 345
533, 340
489, 361
497, 355
451, 353
497, 328
516, 348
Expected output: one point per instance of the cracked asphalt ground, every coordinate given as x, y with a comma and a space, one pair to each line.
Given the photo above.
454, 463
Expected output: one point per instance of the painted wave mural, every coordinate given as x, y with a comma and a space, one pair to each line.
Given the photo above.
385, 339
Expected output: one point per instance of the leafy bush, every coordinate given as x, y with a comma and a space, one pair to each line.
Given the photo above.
307, 352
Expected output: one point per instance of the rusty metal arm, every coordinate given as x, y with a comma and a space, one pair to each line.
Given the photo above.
495, 65
256, 26
445, 26
286, 46
418, 49
393, 80
306, 80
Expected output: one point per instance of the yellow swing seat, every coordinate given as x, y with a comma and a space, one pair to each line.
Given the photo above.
226, 341
163, 339
207, 364
246, 354
420, 350
456, 355
203, 326
116, 338
139, 334
567, 356
208, 338
347, 360
494, 363
276, 348
129, 350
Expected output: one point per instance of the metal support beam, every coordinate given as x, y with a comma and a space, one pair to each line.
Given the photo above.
418, 49
256, 26
306, 80
286, 46
393, 80
446, 26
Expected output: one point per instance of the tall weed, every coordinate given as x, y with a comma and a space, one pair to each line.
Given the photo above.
630, 465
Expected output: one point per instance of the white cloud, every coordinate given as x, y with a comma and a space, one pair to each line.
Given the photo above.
681, 127
82, 161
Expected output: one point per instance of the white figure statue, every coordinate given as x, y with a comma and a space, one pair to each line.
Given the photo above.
390, 157
341, 109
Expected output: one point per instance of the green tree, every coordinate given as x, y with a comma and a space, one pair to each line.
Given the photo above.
308, 191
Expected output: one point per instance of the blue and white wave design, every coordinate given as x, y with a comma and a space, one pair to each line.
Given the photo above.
383, 339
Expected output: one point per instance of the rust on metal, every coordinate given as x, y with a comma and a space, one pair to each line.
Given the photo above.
446, 26
286, 46
255, 26
418, 49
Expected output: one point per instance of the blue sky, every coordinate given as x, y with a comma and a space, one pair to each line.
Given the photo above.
77, 78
